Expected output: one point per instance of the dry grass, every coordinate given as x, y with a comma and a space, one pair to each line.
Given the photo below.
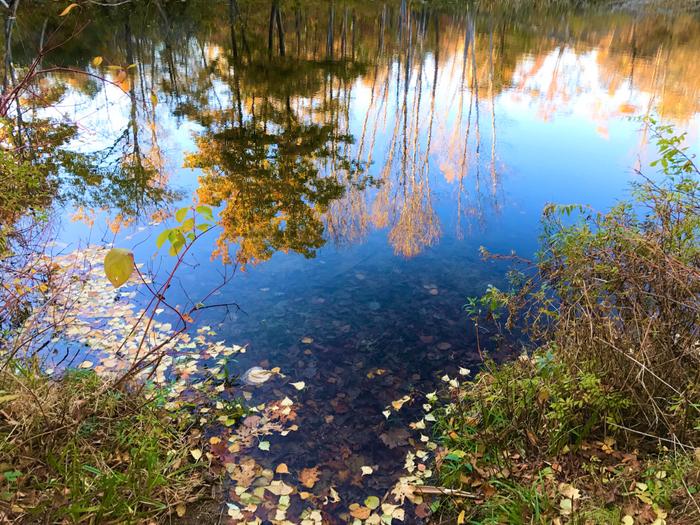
72, 450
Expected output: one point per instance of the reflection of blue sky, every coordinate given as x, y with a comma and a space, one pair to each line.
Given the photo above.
561, 137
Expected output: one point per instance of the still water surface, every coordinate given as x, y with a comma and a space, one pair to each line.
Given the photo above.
358, 160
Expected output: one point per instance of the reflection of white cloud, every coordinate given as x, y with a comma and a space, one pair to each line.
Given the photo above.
566, 82
100, 119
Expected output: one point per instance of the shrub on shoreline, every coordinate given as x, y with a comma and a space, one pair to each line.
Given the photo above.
610, 395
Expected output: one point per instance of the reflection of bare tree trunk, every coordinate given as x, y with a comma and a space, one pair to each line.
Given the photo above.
404, 109
172, 70
297, 28
493, 116
475, 89
436, 56
329, 35
233, 15
382, 27
280, 30
352, 35
344, 34
9, 26
271, 28
464, 166
9, 76
132, 92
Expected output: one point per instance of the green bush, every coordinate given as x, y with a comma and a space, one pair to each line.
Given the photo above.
609, 396
618, 294
534, 405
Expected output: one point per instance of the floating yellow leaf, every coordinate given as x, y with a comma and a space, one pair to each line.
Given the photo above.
97, 61
366, 471
400, 402
282, 469
119, 265
68, 9
372, 502
196, 453
299, 385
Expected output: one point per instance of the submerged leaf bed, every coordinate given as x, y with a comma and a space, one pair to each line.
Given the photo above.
242, 424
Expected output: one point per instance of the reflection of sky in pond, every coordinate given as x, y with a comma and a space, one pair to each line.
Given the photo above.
400, 258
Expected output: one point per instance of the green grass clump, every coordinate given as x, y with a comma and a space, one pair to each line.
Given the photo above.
524, 434
73, 450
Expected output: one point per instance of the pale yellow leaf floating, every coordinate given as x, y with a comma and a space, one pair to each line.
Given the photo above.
264, 445
196, 453
282, 468
372, 502
400, 402
68, 9
299, 385
119, 265
256, 376
627, 520
366, 471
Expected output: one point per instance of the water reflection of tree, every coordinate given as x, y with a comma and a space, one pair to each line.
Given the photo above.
128, 176
431, 75
269, 174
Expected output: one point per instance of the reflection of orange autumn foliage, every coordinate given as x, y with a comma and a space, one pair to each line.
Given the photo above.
121, 79
118, 222
416, 228
271, 186
160, 216
85, 216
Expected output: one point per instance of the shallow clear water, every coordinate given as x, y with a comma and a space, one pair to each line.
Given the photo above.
357, 175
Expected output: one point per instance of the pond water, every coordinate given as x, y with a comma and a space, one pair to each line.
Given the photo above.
358, 155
